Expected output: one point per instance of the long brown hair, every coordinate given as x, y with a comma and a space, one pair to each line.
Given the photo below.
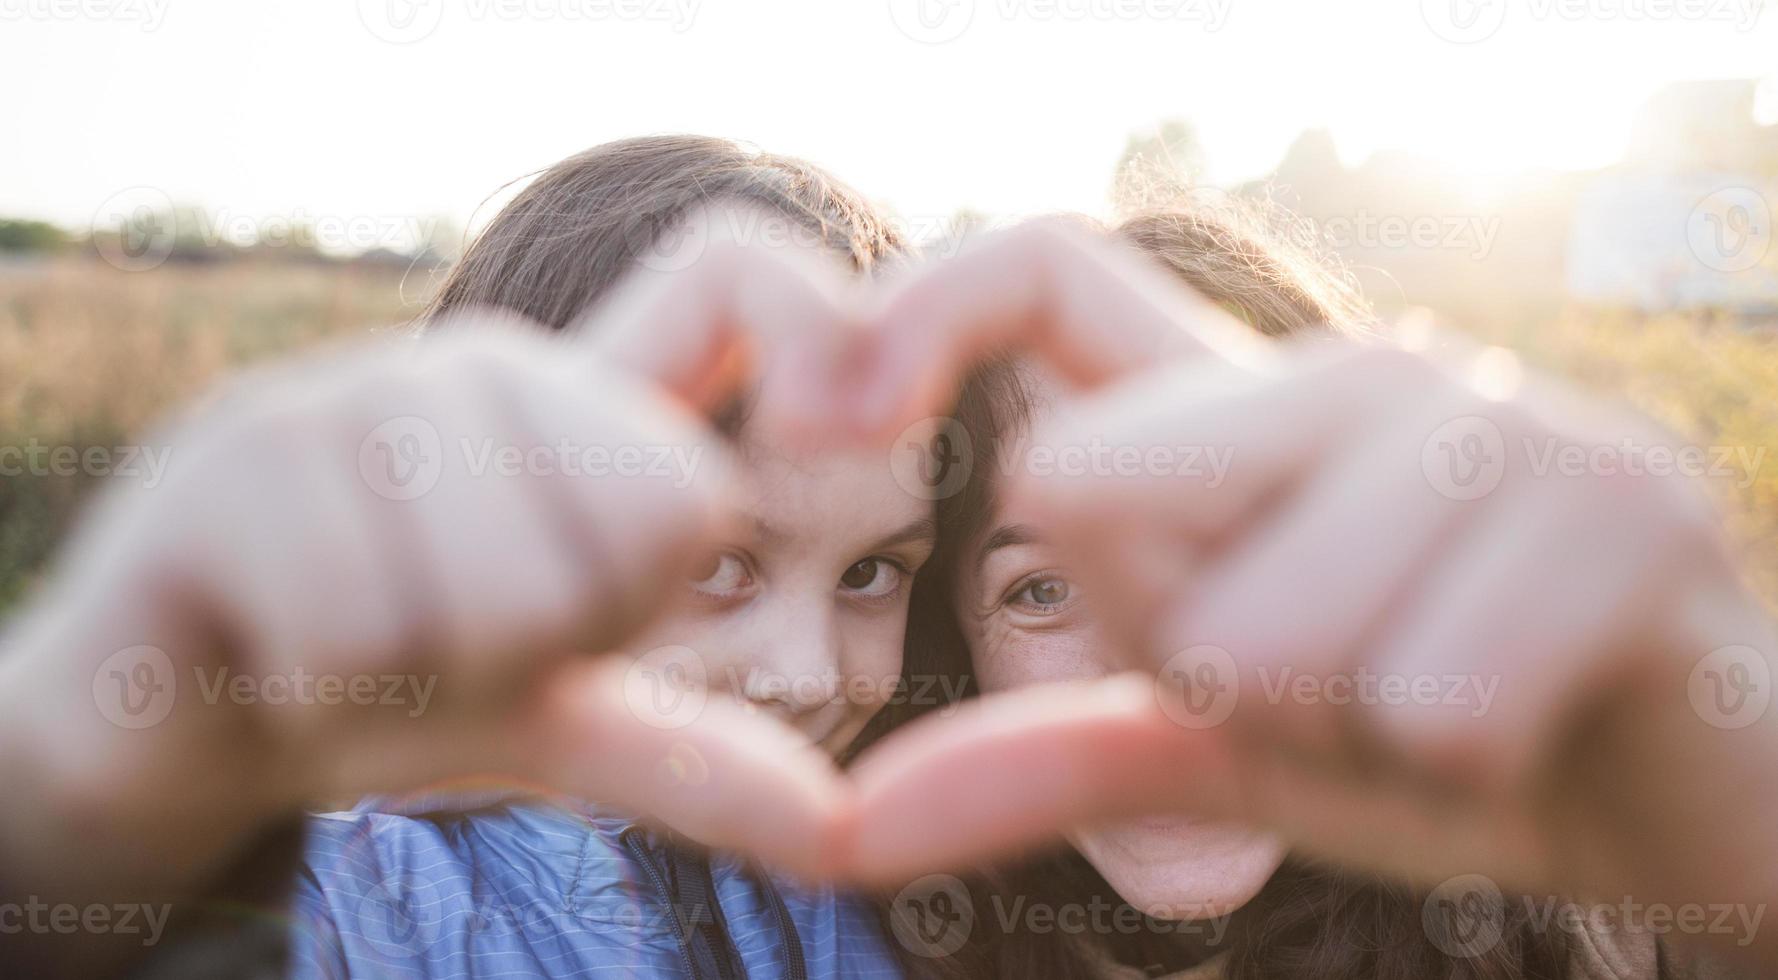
1310, 921
558, 247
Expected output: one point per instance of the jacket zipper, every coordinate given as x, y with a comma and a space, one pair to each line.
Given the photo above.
795, 967
631, 838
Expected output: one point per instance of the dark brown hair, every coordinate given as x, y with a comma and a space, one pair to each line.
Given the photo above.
557, 248
1309, 922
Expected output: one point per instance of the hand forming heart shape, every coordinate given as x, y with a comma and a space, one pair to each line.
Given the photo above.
1582, 609
1334, 547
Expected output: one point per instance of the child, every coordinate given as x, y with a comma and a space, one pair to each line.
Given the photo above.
350, 516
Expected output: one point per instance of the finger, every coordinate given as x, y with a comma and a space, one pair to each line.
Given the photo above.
1296, 600
724, 776
1017, 769
544, 503
1088, 308
1251, 433
719, 774
635, 514
740, 313
1512, 686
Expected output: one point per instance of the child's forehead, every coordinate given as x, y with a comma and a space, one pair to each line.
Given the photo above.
793, 492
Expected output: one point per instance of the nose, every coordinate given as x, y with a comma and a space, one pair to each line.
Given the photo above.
789, 656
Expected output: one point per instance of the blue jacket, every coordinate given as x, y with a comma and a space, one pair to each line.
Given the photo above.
527, 890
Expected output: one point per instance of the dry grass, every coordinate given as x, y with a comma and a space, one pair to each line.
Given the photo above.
90, 356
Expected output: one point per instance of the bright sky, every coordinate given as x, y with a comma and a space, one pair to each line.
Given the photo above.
1006, 106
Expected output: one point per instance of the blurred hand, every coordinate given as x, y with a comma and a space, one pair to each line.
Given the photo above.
382, 568
1381, 518
1400, 632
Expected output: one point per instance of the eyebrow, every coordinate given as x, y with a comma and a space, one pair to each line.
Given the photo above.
920, 530
1006, 536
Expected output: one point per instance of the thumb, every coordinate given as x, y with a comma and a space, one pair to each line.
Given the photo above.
1015, 770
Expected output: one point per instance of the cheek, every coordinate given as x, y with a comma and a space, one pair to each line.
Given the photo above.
871, 660
710, 631
1007, 656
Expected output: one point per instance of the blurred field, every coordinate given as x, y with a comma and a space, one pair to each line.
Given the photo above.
90, 356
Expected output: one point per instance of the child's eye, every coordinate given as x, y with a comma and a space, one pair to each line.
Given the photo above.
722, 573
872, 577
1041, 593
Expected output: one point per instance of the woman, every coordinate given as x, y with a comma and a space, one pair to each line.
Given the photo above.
1205, 899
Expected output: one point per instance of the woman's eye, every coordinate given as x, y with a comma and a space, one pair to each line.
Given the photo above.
1043, 594
721, 573
872, 577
